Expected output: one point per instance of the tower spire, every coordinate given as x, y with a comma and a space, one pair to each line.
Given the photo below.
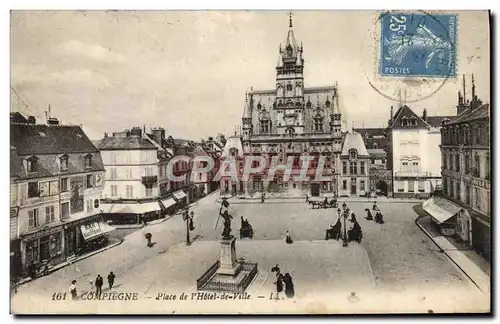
290, 17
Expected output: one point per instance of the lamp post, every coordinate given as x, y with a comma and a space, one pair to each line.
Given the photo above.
346, 214
186, 218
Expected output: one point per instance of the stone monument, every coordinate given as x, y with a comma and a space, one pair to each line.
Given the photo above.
228, 274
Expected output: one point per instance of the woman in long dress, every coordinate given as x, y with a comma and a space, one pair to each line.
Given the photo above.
289, 289
279, 284
288, 239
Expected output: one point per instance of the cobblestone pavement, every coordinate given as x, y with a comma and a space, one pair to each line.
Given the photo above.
402, 259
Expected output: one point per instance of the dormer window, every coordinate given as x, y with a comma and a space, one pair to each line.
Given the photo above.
233, 152
63, 162
353, 154
375, 146
88, 161
413, 121
32, 164
404, 121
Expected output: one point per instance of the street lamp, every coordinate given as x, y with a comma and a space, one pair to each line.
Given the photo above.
186, 218
346, 214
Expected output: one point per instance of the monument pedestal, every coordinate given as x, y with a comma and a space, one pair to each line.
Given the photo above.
229, 265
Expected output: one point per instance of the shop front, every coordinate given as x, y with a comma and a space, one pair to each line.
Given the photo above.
42, 247
130, 214
446, 215
74, 241
95, 236
167, 206
181, 198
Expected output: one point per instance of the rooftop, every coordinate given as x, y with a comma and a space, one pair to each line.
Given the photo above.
37, 139
125, 143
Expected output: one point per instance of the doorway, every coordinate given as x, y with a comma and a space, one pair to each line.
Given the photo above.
353, 186
314, 189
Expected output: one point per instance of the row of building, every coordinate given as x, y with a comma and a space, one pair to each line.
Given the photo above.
400, 160
67, 192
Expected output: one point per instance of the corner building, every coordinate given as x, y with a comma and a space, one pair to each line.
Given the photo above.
289, 121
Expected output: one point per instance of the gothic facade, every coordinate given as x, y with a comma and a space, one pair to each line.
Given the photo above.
290, 121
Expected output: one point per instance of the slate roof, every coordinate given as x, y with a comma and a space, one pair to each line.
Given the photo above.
370, 132
125, 143
17, 117
405, 111
377, 153
31, 139
233, 142
354, 141
436, 121
470, 115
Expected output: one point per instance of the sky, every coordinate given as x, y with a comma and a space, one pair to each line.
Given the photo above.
188, 71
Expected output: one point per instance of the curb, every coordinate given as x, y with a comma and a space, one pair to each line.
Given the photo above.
446, 253
67, 263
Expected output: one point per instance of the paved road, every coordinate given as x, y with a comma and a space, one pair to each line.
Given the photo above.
401, 258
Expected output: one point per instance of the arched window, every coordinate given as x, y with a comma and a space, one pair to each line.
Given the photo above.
353, 154
404, 121
318, 124
290, 131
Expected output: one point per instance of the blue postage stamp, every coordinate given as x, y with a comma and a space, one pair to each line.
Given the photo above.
418, 44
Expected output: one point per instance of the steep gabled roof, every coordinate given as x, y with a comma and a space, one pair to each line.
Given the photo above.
354, 141
406, 112
470, 115
233, 142
32, 139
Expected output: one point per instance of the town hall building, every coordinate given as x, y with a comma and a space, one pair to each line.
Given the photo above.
288, 122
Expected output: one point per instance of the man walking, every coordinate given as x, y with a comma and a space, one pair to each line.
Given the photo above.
111, 279
98, 284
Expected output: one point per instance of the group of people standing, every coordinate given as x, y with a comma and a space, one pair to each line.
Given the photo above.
97, 284
283, 282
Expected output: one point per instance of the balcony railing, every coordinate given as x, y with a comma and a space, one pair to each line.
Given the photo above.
412, 174
149, 179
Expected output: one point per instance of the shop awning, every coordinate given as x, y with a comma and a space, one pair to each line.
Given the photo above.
146, 207
179, 194
440, 209
130, 208
94, 230
165, 203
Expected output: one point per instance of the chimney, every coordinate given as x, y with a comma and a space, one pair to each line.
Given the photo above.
424, 115
158, 134
52, 121
105, 135
137, 131
31, 120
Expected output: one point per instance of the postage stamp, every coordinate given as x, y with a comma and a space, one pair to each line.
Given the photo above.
418, 44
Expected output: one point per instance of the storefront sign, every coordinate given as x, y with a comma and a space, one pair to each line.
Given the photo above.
43, 232
90, 230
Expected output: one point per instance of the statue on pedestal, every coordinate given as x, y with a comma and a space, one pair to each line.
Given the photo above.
226, 232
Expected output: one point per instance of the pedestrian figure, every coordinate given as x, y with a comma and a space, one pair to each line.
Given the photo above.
353, 218
91, 284
98, 285
111, 279
242, 222
289, 289
307, 198
279, 284
288, 239
72, 290
276, 269
262, 199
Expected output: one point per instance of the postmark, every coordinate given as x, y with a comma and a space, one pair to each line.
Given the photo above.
418, 44
406, 70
